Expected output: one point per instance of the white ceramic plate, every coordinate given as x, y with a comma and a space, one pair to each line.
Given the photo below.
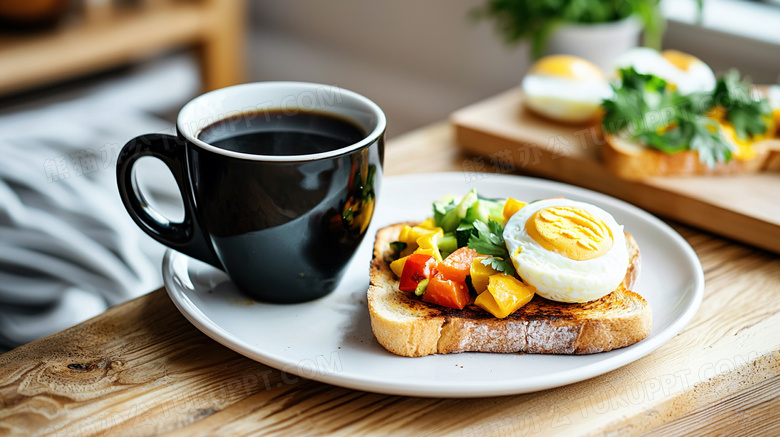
330, 339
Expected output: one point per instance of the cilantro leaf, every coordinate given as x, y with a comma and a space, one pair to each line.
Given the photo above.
711, 146
500, 264
496, 232
485, 247
647, 111
489, 240
742, 109
637, 95
482, 228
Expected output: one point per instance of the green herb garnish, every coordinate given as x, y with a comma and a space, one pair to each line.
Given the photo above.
397, 246
746, 113
645, 110
489, 240
500, 264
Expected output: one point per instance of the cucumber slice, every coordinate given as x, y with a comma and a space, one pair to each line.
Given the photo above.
463, 233
450, 221
441, 207
466, 203
453, 217
496, 212
448, 243
477, 211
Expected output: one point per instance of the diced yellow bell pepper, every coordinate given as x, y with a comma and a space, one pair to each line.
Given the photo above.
480, 275
504, 295
410, 234
404, 235
431, 252
429, 244
417, 232
397, 266
428, 223
511, 207
430, 240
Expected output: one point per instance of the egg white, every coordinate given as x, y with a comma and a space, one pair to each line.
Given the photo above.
564, 99
698, 78
557, 277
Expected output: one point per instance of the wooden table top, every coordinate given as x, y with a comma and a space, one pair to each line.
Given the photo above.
141, 369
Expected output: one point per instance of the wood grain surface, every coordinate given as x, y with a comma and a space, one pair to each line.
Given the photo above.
744, 207
115, 36
141, 369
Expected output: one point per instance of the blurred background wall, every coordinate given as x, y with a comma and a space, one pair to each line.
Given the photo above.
421, 60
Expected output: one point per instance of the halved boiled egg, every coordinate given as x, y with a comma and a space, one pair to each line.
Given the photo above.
565, 88
687, 73
569, 251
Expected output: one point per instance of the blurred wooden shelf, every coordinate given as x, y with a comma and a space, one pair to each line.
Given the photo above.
214, 28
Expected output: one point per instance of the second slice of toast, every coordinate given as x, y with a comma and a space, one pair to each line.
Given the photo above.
630, 160
405, 325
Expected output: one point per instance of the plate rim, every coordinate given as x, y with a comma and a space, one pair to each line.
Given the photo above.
465, 389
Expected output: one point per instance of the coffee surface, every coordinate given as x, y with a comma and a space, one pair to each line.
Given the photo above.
282, 132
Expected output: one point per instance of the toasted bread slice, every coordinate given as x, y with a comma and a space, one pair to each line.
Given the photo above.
407, 326
633, 161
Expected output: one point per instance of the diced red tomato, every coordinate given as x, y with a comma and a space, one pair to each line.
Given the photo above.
458, 264
418, 266
446, 292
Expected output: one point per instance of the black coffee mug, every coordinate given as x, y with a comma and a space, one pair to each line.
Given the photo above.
283, 227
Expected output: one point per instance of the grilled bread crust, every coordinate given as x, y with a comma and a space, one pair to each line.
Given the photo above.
407, 326
633, 161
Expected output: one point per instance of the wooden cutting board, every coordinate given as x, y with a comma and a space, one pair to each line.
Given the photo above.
506, 137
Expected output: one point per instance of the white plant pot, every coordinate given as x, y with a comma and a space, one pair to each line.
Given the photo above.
599, 43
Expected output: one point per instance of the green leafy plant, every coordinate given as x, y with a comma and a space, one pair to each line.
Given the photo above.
517, 20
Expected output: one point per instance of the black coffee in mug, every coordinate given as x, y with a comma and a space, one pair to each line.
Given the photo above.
282, 132
277, 195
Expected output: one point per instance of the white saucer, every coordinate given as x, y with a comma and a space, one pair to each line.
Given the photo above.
330, 339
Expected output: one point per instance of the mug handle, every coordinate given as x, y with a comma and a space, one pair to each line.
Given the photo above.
186, 237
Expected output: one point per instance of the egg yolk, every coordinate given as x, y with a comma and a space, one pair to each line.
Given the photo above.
681, 60
570, 231
745, 150
744, 147
566, 66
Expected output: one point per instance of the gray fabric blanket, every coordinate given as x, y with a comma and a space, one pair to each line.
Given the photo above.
68, 249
